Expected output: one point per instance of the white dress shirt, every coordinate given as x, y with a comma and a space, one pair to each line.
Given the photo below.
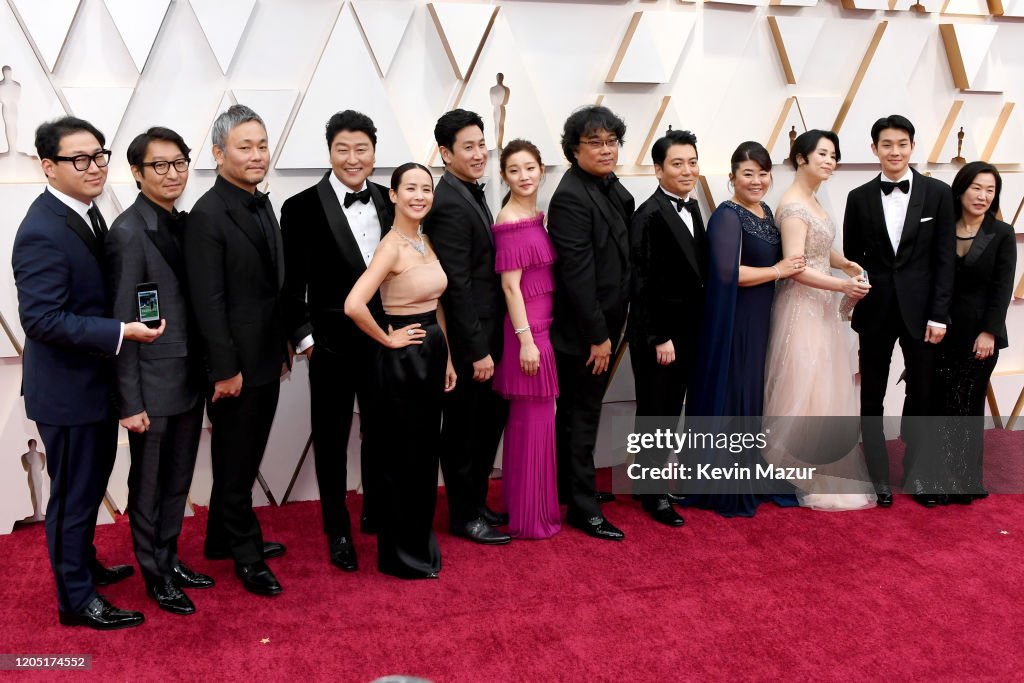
83, 211
683, 213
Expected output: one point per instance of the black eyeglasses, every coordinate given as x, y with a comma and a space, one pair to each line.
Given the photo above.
162, 167
83, 161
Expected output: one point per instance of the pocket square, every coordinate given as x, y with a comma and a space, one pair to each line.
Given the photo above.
925, 220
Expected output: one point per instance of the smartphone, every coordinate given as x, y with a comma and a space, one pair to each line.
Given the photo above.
148, 298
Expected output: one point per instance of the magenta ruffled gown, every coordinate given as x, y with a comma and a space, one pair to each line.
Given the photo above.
528, 474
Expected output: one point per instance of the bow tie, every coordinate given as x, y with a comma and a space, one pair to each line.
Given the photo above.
888, 187
688, 204
259, 200
361, 196
477, 190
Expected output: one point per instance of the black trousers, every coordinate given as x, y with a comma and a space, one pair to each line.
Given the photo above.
577, 414
875, 357
335, 381
79, 460
241, 427
163, 461
474, 418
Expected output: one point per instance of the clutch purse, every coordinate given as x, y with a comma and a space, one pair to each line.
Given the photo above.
846, 304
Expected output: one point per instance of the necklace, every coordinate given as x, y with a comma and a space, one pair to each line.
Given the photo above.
970, 235
418, 243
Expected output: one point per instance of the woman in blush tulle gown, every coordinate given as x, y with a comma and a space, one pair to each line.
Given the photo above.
808, 372
524, 257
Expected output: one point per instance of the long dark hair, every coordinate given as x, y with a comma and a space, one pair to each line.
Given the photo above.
514, 147
396, 176
965, 176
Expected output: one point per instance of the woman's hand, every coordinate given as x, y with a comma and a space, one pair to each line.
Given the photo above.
788, 267
665, 353
852, 269
529, 359
449, 376
404, 336
984, 346
855, 288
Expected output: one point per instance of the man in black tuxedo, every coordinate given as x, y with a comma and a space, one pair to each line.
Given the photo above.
588, 221
459, 226
330, 233
70, 342
900, 228
235, 264
669, 266
158, 386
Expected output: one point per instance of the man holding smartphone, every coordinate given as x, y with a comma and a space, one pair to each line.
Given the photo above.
158, 386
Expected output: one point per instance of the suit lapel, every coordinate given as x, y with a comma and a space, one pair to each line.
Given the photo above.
981, 241
338, 224
615, 224
380, 204
912, 222
460, 189
162, 239
678, 229
84, 231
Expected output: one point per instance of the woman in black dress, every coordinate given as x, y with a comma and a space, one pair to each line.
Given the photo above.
986, 251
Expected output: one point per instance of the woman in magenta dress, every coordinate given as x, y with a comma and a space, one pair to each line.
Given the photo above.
524, 257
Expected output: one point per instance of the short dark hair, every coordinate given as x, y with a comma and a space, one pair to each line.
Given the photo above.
350, 120
965, 176
451, 122
751, 151
138, 147
807, 142
396, 175
585, 121
659, 150
891, 121
49, 134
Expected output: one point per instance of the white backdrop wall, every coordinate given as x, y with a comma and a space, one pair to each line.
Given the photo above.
730, 71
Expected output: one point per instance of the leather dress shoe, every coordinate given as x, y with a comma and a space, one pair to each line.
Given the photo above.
929, 500
661, 511
884, 494
102, 616
599, 527
676, 498
480, 532
494, 518
271, 549
170, 598
104, 576
960, 498
257, 578
343, 553
186, 578
603, 497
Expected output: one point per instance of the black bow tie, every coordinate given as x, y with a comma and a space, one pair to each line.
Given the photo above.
477, 190
259, 200
888, 187
361, 196
688, 204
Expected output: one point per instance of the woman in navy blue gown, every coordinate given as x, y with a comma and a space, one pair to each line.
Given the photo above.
745, 262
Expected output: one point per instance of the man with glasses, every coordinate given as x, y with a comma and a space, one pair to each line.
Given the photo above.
587, 220
158, 386
70, 340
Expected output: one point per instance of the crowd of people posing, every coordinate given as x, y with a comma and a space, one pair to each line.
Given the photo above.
453, 326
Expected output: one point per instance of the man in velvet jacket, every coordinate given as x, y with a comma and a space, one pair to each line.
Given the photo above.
331, 231
669, 259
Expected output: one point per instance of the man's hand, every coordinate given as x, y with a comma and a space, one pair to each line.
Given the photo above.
600, 356
483, 369
933, 335
227, 388
140, 333
136, 423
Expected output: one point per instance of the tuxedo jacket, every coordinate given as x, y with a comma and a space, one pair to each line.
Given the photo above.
70, 340
159, 378
669, 266
587, 221
984, 285
322, 262
918, 276
474, 303
235, 286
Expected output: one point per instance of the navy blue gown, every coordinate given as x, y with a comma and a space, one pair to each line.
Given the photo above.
731, 354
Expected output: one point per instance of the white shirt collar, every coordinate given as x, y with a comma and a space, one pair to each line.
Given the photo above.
675, 196
908, 175
72, 203
341, 188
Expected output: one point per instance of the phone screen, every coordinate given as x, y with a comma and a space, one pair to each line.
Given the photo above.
149, 306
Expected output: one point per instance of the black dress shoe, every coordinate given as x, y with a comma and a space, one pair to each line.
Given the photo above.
271, 549
480, 532
343, 553
104, 576
661, 511
599, 527
676, 499
186, 578
928, 500
170, 598
367, 526
257, 578
603, 497
102, 616
884, 494
494, 518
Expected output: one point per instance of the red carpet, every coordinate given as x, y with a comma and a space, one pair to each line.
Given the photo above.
904, 593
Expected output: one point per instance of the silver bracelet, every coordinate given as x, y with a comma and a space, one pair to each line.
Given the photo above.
778, 273
520, 330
